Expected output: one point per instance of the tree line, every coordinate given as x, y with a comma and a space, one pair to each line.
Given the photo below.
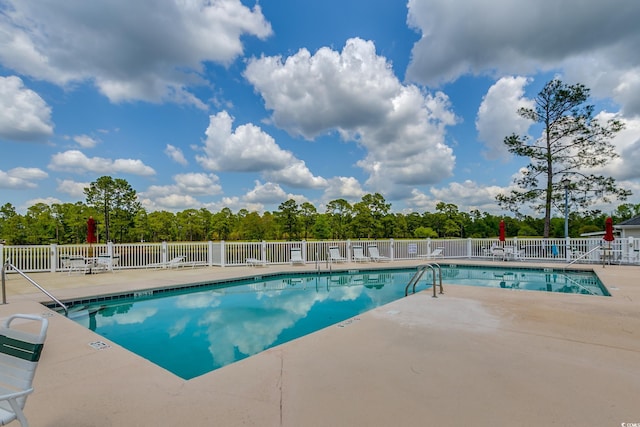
124, 220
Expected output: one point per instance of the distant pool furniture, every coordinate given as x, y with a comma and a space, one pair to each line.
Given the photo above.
498, 252
106, 262
80, 264
513, 253
358, 254
296, 256
19, 355
374, 254
334, 255
436, 253
175, 262
64, 260
255, 262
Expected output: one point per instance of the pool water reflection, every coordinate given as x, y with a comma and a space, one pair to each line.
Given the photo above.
193, 331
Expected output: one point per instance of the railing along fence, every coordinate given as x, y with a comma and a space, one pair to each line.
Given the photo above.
51, 258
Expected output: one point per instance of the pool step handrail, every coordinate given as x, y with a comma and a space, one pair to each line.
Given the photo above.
584, 255
8, 264
435, 267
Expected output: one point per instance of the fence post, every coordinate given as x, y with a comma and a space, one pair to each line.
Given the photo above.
210, 253
163, 254
392, 249
3, 275
53, 258
304, 251
223, 254
263, 250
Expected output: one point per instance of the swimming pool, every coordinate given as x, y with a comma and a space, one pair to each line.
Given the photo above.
193, 330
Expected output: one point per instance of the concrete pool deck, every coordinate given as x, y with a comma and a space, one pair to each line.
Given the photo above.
474, 356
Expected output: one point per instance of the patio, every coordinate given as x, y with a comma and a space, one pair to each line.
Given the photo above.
475, 356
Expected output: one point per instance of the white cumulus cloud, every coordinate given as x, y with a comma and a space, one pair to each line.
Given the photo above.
175, 154
142, 50
498, 115
75, 161
24, 115
249, 149
85, 141
595, 43
356, 93
21, 178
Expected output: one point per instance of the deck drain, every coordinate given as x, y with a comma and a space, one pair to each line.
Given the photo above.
99, 345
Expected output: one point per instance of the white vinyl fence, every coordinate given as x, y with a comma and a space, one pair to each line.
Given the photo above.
50, 258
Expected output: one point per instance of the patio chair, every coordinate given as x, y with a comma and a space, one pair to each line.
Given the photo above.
19, 355
255, 262
512, 252
296, 256
358, 255
107, 262
334, 255
498, 252
64, 260
173, 263
436, 253
375, 255
576, 255
80, 264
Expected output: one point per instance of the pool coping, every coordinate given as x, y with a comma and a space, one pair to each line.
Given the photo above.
381, 359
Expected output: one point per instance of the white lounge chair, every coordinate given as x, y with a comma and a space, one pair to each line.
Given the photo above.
255, 262
19, 355
173, 263
334, 255
436, 253
296, 256
358, 255
375, 255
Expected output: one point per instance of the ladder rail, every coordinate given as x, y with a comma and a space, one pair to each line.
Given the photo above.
30, 280
413, 282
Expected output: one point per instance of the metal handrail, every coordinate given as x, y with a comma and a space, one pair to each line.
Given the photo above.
597, 248
30, 280
418, 275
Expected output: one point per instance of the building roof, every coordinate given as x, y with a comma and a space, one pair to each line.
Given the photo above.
633, 222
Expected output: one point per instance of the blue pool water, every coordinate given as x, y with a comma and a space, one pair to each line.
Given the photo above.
192, 331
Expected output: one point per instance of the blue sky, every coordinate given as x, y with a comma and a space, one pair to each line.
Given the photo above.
224, 103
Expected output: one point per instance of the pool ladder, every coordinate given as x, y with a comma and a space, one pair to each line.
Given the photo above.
434, 267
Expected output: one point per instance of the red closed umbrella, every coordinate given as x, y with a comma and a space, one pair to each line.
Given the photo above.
608, 230
91, 231
502, 236
608, 236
